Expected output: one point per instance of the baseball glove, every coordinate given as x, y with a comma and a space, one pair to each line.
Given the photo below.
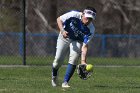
82, 72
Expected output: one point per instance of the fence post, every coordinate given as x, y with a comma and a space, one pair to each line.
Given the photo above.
23, 3
103, 45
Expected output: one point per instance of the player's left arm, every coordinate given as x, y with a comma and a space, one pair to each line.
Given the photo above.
84, 50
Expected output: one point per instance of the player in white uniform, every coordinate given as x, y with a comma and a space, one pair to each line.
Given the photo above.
76, 30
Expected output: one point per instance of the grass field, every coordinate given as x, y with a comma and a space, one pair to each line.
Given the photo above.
34, 60
37, 79
124, 78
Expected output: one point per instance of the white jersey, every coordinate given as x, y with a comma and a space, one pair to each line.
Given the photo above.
77, 31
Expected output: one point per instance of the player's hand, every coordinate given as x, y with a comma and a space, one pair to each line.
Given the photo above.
65, 34
83, 62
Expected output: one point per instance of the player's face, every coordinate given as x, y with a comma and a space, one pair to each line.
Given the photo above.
86, 20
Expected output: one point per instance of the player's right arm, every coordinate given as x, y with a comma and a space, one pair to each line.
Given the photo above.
61, 20
61, 29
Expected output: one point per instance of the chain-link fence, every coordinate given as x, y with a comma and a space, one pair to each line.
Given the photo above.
117, 29
10, 21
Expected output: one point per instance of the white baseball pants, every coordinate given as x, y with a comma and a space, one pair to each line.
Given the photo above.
63, 46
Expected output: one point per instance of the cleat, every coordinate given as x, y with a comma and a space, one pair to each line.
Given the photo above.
54, 81
65, 85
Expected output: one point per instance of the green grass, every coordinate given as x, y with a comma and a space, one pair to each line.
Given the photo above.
115, 61
38, 80
34, 60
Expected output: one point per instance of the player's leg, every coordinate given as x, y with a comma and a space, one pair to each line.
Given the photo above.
75, 50
61, 49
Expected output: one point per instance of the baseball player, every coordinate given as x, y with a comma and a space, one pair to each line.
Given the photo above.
76, 30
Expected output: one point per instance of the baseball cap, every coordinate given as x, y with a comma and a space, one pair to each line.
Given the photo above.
90, 13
